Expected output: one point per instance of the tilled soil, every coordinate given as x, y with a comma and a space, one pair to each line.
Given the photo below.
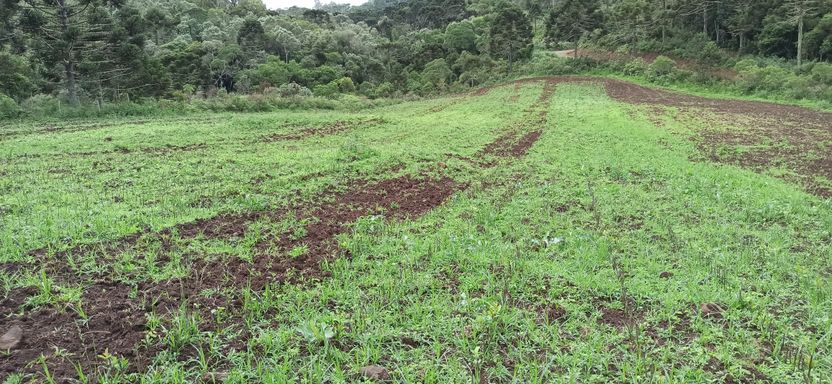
750, 134
114, 315
112, 318
337, 127
771, 135
518, 139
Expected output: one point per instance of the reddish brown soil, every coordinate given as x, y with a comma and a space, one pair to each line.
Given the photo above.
117, 318
337, 127
519, 138
778, 135
115, 323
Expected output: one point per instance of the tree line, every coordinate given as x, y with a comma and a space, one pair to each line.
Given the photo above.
95, 51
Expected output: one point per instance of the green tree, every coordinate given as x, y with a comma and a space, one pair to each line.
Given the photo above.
799, 10
627, 21
65, 32
571, 20
819, 39
17, 79
511, 35
460, 36
437, 73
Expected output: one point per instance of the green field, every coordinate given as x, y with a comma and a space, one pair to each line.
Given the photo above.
548, 230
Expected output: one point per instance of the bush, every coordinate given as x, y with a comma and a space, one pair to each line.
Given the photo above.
385, 89
42, 105
711, 54
345, 85
8, 107
799, 87
636, 67
293, 89
326, 90
822, 73
662, 67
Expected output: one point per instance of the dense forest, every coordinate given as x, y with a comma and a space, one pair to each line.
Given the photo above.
89, 52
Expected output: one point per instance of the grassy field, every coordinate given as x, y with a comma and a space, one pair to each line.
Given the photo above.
547, 230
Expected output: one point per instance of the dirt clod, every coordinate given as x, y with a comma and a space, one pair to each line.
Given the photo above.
375, 372
555, 313
12, 338
666, 275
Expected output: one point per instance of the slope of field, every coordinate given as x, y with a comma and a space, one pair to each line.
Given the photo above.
548, 230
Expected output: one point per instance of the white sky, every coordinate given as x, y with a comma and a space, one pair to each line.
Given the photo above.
278, 4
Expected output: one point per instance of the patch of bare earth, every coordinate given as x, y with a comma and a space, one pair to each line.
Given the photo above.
334, 128
114, 315
519, 138
750, 134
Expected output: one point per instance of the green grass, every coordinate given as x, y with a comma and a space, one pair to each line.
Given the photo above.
582, 229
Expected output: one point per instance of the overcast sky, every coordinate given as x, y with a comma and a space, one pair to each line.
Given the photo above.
277, 4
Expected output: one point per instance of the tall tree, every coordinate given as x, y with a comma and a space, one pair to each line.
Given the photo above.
627, 20
799, 11
65, 32
511, 35
742, 21
570, 20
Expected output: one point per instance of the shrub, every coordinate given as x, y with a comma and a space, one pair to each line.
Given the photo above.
8, 107
711, 54
345, 85
42, 105
293, 89
662, 67
799, 87
325, 90
636, 67
385, 89
771, 77
822, 73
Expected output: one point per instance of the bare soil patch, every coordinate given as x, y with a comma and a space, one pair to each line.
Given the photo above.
337, 127
116, 313
518, 139
751, 134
